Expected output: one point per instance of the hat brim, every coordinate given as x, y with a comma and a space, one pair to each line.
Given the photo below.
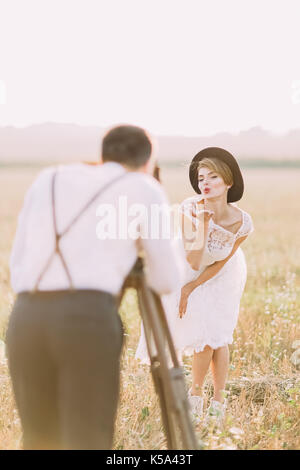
237, 189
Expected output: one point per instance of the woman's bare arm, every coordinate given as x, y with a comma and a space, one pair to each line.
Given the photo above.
214, 268
195, 238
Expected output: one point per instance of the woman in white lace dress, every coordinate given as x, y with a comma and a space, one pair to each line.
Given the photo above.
203, 313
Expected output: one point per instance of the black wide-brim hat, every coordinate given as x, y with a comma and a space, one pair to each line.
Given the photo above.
236, 191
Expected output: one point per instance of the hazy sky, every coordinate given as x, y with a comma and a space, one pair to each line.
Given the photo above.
190, 67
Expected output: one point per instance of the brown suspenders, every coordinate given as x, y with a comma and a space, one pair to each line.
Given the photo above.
58, 236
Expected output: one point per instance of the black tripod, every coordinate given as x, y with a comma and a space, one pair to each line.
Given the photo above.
168, 376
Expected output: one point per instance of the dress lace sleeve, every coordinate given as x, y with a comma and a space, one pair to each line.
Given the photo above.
247, 226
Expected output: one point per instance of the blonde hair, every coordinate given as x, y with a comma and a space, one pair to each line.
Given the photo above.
218, 166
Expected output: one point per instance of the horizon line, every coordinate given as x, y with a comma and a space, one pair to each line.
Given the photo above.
105, 128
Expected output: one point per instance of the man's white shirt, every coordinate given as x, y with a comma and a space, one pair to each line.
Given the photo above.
94, 263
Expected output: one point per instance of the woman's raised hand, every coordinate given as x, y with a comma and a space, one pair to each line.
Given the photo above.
198, 212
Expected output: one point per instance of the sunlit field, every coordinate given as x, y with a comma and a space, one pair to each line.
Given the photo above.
263, 384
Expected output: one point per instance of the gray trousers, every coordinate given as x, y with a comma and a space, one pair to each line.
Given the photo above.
64, 359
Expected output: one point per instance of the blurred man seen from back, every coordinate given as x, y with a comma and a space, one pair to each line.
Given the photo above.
65, 336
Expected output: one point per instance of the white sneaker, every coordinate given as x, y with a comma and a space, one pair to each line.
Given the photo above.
216, 412
196, 404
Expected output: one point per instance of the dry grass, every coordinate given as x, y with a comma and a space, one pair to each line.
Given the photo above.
263, 385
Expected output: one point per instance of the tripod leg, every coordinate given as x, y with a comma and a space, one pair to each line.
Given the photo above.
160, 390
169, 382
155, 369
188, 435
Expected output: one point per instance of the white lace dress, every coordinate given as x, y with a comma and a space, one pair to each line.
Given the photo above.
213, 307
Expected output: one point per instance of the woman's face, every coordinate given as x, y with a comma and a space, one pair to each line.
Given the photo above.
210, 183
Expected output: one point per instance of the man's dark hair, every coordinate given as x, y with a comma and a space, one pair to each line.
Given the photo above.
128, 145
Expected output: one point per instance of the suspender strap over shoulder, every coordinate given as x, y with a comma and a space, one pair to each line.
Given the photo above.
58, 236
